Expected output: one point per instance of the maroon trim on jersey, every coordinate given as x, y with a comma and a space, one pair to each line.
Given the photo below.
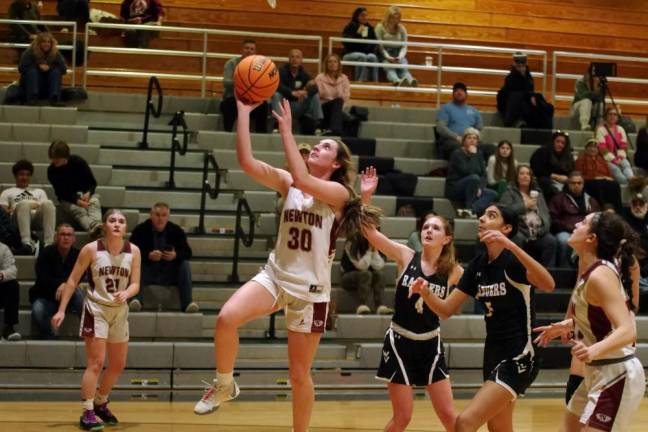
319, 317
100, 245
607, 406
90, 279
335, 228
599, 322
127, 247
588, 272
88, 324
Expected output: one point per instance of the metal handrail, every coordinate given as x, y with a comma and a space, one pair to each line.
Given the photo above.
240, 235
150, 108
207, 189
72, 47
177, 120
440, 68
203, 53
594, 56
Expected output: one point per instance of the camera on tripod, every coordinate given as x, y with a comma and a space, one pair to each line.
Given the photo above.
602, 70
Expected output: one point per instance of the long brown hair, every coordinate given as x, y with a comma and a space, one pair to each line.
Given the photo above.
40, 55
447, 260
339, 70
355, 215
510, 163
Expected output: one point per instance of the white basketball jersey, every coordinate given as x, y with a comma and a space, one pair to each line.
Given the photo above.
592, 325
109, 274
301, 260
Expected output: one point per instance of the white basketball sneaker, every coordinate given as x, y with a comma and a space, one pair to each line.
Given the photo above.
215, 395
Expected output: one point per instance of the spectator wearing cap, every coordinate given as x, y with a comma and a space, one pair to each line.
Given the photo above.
637, 218
515, 99
552, 164
568, 208
613, 145
454, 118
599, 182
466, 180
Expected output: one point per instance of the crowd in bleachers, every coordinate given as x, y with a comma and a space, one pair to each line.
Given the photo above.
551, 194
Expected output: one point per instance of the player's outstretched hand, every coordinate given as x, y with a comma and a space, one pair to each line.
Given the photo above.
283, 116
418, 287
561, 329
368, 181
245, 109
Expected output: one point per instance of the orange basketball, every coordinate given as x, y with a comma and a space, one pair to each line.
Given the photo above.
256, 78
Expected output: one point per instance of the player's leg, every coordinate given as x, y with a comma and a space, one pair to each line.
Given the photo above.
301, 351
402, 402
117, 353
503, 421
441, 396
95, 353
491, 400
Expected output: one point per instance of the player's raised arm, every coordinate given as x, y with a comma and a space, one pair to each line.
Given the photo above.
263, 173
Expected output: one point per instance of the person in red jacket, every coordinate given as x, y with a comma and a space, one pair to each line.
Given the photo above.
568, 208
599, 182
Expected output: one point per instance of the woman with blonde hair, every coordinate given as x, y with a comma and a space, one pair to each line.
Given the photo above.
392, 31
41, 70
334, 91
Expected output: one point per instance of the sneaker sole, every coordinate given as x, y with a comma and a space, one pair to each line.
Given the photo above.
93, 428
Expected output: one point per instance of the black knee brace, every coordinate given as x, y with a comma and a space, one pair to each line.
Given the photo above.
572, 384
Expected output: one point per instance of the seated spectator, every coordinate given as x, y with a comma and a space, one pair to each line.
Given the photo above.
29, 207
517, 101
500, 170
41, 70
259, 116
9, 293
295, 84
74, 185
27, 11
362, 275
53, 268
641, 153
567, 209
9, 234
391, 30
74, 10
552, 163
466, 179
587, 93
598, 179
165, 257
637, 218
148, 12
613, 145
334, 91
454, 118
534, 226
360, 28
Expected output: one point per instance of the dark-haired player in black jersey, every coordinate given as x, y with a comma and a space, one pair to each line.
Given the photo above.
412, 353
501, 279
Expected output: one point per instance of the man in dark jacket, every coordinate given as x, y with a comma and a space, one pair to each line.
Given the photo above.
637, 218
53, 268
567, 208
74, 185
296, 85
165, 256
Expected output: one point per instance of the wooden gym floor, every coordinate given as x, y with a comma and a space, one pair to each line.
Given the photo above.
536, 415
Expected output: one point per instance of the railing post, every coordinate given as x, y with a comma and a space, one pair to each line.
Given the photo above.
203, 195
175, 145
150, 108
439, 77
553, 77
85, 57
203, 84
74, 52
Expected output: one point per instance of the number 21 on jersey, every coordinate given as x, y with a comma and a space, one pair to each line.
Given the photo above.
112, 285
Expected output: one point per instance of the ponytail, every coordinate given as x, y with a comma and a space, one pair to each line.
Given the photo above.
356, 215
617, 243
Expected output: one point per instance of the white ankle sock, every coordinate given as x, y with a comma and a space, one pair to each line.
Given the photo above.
88, 404
100, 399
225, 379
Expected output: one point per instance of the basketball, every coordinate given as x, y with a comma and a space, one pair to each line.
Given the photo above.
256, 78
